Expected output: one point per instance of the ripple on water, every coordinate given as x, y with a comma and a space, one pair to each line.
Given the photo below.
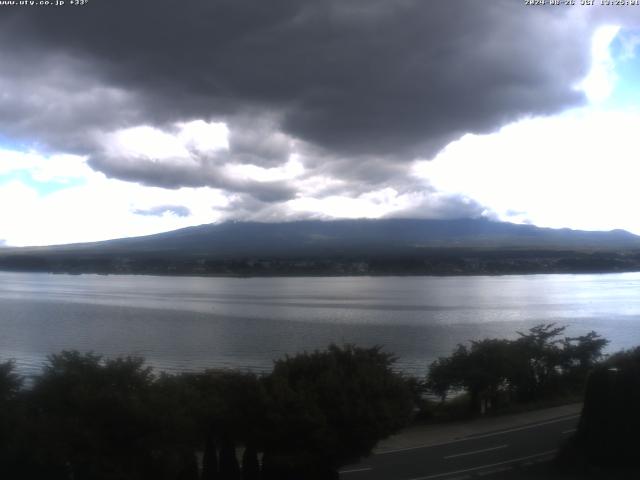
182, 324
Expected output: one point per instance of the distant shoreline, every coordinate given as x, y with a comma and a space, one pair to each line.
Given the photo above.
320, 275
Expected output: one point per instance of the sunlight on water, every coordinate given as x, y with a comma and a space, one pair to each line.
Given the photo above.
191, 323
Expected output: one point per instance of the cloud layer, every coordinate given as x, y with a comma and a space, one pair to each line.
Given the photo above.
289, 108
353, 77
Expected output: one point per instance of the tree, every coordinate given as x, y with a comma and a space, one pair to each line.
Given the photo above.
250, 464
12, 437
607, 434
329, 408
443, 376
536, 364
483, 370
93, 417
174, 405
10, 382
539, 359
231, 412
580, 354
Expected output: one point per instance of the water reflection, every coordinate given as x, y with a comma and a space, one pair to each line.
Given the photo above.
191, 323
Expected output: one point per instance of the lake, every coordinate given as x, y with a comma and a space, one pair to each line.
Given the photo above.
191, 323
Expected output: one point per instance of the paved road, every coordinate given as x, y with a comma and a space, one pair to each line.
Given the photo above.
467, 457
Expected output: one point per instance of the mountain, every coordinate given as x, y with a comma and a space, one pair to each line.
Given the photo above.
319, 238
216, 248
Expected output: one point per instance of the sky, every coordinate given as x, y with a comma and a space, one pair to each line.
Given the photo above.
122, 118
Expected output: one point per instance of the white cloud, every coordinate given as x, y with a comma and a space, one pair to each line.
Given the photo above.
290, 170
601, 80
98, 208
11, 161
204, 137
146, 143
375, 204
59, 168
180, 147
577, 170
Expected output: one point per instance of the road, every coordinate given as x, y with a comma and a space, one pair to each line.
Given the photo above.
476, 455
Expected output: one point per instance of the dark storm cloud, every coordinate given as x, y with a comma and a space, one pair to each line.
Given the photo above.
351, 76
178, 210
358, 87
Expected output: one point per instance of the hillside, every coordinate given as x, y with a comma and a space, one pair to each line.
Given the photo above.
402, 246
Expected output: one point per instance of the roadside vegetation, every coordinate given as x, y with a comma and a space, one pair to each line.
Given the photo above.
606, 441
541, 366
86, 417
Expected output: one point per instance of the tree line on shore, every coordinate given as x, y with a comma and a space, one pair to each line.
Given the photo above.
86, 417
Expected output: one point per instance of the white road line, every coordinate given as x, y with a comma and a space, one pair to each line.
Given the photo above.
476, 451
355, 470
571, 430
493, 471
514, 460
517, 429
474, 437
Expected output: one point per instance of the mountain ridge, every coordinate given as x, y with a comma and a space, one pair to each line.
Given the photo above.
433, 232
413, 246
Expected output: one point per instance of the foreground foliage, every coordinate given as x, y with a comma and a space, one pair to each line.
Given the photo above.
605, 444
89, 418
536, 365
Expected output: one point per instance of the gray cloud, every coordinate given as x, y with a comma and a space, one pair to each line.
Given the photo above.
178, 210
435, 206
351, 76
358, 88
53, 101
198, 172
257, 140
429, 204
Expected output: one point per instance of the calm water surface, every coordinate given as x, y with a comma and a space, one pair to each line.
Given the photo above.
188, 323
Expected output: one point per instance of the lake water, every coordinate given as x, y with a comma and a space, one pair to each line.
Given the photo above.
190, 323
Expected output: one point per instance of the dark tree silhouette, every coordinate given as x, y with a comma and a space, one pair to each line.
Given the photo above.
250, 464
10, 382
537, 364
330, 408
582, 353
483, 370
12, 416
97, 412
210, 459
607, 434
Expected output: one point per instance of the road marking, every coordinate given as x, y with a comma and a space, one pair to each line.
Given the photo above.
356, 470
485, 435
476, 451
514, 460
517, 429
571, 430
505, 468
